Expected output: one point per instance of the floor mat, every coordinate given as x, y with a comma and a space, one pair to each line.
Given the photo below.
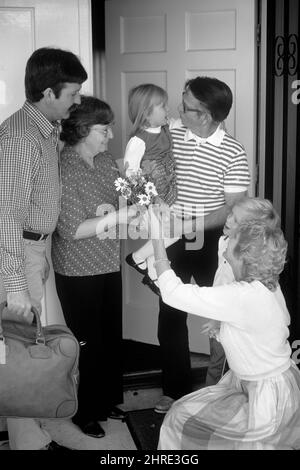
144, 426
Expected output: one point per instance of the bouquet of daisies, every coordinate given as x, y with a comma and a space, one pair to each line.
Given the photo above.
137, 187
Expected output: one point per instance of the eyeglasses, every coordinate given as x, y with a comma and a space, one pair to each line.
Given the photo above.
104, 132
186, 109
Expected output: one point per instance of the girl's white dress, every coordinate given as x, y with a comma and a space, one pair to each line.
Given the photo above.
256, 405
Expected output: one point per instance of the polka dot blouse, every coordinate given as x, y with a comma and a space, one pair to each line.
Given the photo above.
86, 193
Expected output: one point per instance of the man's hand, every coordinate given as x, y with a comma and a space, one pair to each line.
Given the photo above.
19, 303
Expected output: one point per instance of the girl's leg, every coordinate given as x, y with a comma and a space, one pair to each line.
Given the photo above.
140, 255
151, 269
150, 259
183, 227
144, 255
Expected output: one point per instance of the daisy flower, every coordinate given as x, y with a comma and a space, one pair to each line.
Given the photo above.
144, 199
120, 184
150, 189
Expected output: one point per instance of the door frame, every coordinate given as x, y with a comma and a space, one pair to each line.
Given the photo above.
279, 133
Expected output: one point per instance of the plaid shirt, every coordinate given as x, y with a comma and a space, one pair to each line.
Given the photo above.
29, 187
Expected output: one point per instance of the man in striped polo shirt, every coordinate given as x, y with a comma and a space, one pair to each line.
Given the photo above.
30, 197
212, 175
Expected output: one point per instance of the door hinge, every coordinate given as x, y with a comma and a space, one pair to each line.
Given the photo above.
258, 34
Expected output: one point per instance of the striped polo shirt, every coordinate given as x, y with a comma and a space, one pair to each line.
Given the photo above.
206, 169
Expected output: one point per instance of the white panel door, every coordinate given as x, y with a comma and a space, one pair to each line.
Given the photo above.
167, 42
26, 25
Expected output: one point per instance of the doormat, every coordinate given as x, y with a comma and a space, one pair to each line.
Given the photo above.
144, 427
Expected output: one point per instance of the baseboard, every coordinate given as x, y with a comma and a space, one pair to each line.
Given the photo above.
152, 378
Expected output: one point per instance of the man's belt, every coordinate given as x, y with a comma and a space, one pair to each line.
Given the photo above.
34, 236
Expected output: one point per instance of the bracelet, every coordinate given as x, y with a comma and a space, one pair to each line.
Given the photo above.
159, 260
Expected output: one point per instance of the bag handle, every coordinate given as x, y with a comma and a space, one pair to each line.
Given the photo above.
40, 338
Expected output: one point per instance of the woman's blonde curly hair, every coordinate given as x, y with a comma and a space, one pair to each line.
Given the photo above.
263, 251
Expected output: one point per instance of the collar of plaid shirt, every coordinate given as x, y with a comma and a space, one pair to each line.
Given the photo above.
45, 127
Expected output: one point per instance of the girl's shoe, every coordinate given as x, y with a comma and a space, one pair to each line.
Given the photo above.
129, 260
151, 284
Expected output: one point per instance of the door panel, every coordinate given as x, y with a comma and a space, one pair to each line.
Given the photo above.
16, 40
166, 42
26, 25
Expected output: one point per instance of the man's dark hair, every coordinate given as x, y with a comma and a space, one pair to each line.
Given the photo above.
215, 95
51, 68
91, 111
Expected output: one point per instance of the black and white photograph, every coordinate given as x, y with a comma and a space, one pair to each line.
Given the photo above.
149, 228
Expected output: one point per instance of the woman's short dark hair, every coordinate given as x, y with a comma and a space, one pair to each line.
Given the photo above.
91, 111
51, 68
215, 95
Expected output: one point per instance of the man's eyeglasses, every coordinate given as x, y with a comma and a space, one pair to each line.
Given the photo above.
186, 109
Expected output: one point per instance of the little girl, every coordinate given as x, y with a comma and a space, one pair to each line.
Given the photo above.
150, 147
151, 140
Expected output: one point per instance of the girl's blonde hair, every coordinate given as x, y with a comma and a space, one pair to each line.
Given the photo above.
141, 100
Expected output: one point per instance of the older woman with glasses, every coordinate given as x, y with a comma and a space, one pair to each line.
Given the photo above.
86, 260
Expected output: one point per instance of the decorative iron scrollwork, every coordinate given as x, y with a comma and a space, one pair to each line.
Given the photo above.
292, 54
279, 56
286, 55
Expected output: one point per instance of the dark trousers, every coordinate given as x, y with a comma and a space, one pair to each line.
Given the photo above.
92, 307
172, 326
